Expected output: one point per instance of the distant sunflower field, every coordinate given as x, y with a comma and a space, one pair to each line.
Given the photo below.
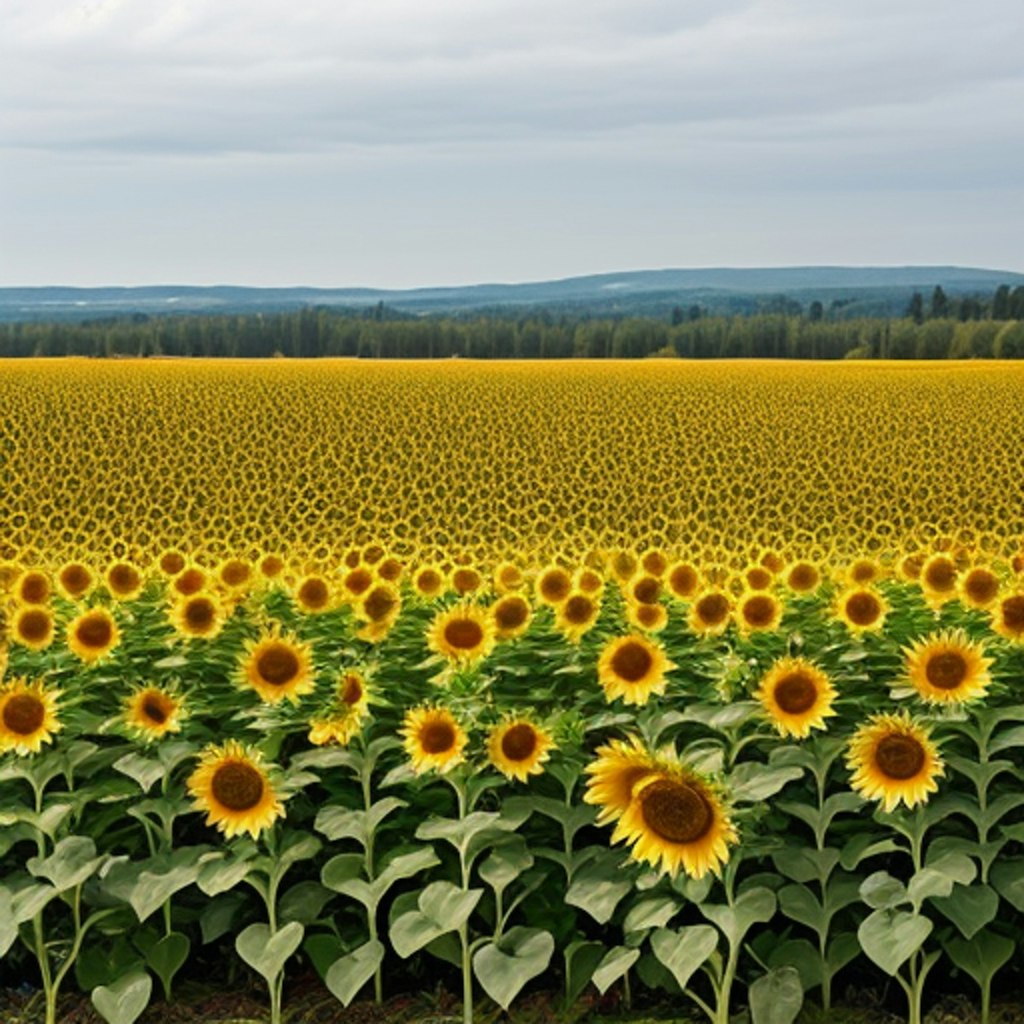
697, 682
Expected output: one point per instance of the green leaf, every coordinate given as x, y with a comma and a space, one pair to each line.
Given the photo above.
218, 916
599, 886
167, 956
653, 912
222, 874
1007, 739
342, 823
348, 974
752, 782
506, 863
144, 771
441, 907
952, 863
1008, 878
891, 937
581, 960
323, 948
799, 904
404, 865
341, 869
152, 890
303, 902
267, 952
124, 1001
298, 846
73, 861
30, 900
800, 954
843, 948
503, 968
684, 950
776, 997
805, 864
969, 907
613, 966
861, 847
755, 906
927, 883
981, 956
8, 924
881, 891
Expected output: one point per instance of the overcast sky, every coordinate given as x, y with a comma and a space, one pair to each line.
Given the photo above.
397, 143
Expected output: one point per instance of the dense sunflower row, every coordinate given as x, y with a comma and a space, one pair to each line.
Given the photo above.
486, 460
807, 760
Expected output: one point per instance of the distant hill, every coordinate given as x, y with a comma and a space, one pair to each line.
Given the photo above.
857, 291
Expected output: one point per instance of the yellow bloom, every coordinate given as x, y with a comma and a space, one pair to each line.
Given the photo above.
32, 627
1008, 616
861, 609
429, 581
464, 634
170, 562
466, 580
32, 587
979, 587
947, 668
553, 585
233, 787
278, 668
511, 614
758, 611
93, 634
632, 667
235, 574
619, 765
797, 696
124, 581
152, 713
683, 580
28, 716
894, 760
508, 577
652, 618
199, 616
710, 613
675, 819
433, 739
939, 579
74, 580
518, 748
350, 710
576, 615
803, 578
313, 595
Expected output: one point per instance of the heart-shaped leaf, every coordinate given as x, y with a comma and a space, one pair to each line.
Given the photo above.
683, 951
152, 890
970, 907
613, 966
167, 956
124, 1000
504, 968
267, 952
73, 861
348, 974
890, 937
776, 997
441, 908
8, 924
982, 956
755, 906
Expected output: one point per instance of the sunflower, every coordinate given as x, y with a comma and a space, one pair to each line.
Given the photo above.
508, 577
683, 580
553, 585
676, 819
803, 578
632, 667
893, 759
313, 594
198, 616
433, 739
124, 581
622, 565
939, 579
170, 562
909, 567
152, 713
979, 587
654, 562
758, 611
1008, 616
757, 577
28, 716
589, 581
644, 589
32, 587
797, 696
357, 581
234, 574
466, 580
74, 580
947, 668
271, 566
429, 581
93, 634
511, 614
863, 572
619, 765
464, 634
233, 787
189, 581
390, 569
345, 719
710, 613
576, 615
518, 748
651, 618
379, 605
861, 609
32, 627
277, 667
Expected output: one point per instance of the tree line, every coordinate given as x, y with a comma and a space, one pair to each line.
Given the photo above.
939, 329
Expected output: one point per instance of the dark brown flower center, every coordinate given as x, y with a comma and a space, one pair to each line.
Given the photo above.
271, 566
34, 625
803, 577
314, 593
759, 610
278, 665
156, 709
578, 610
1013, 613
75, 579
465, 581
200, 614
510, 577
946, 671
863, 609
863, 572
647, 590
649, 614
390, 569
463, 634
189, 581
235, 573
358, 581
589, 582
123, 579
171, 562
437, 737
676, 811
758, 578
981, 586
35, 588
380, 603
428, 581
373, 553
795, 693
24, 714
631, 662
940, 575
683, 580
911, 566
519, 742
351, 689
94, 630
236, 786
511, 613
899, 757
655, 563
554, 585
712, 609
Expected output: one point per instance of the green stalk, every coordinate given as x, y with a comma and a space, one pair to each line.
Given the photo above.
371, 915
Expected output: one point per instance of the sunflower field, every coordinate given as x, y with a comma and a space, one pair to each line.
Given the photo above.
699, 684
